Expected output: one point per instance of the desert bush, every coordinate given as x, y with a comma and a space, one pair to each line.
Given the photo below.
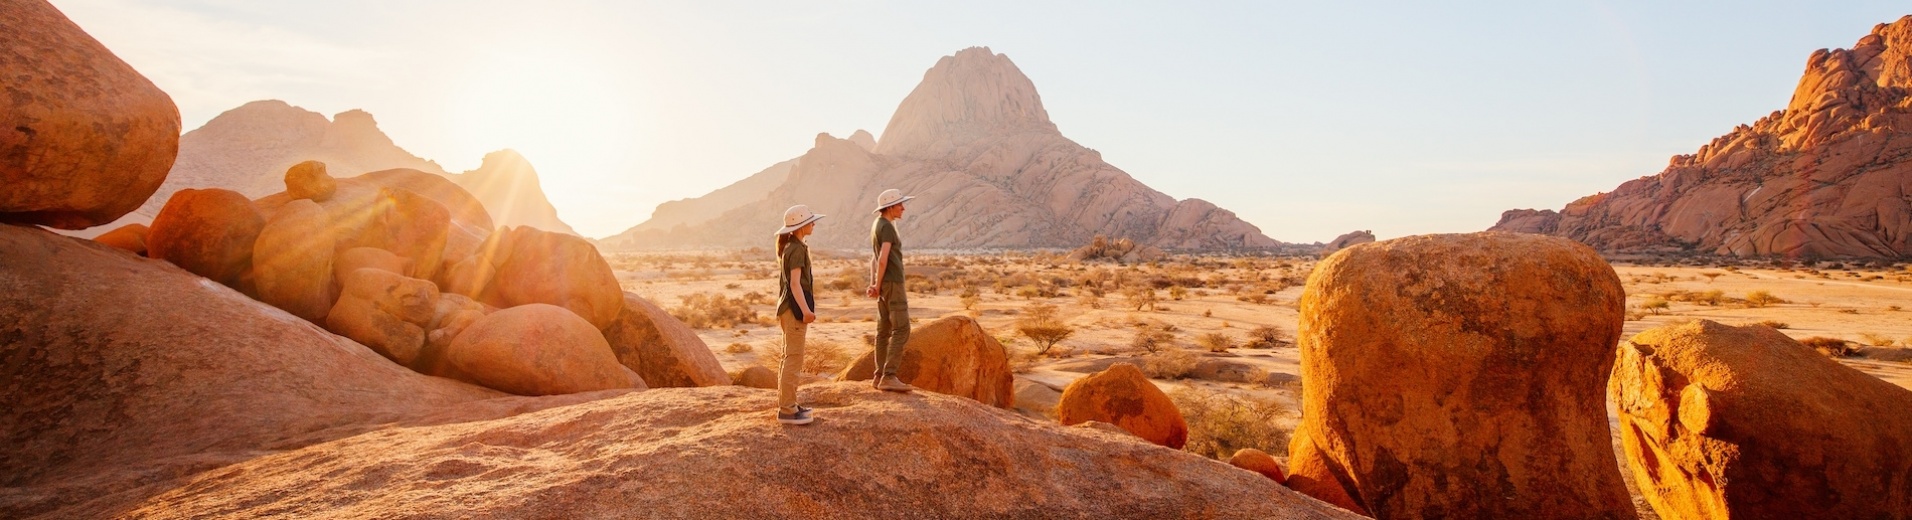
1219, 424
1762, 298
737, 348
755, 298
1265, 336
820, 356
1140, 297
1177, 293
1151, 341
1087, 297
1255, 298
1041, 326
1170, 363
1877, 340
1774, 324
1711, 275
1216, 341
1656, 305
714, 311
970, 297
1833, 347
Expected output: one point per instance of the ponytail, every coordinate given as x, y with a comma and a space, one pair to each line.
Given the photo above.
784, 240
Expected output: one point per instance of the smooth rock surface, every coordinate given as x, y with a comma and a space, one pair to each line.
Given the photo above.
207, 232
661, 348
1124, 397
952, 356
536, 349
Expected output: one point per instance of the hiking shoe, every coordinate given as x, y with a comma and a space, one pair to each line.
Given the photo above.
876, 382
801, 416
892, 384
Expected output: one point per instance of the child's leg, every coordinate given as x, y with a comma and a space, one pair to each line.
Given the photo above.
793, 338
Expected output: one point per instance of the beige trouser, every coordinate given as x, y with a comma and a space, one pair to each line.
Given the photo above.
892, 328
793, 331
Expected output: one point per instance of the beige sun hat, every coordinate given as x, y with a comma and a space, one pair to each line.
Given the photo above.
796, 217
890, 198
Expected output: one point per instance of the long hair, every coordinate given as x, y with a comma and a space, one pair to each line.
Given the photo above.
784, 240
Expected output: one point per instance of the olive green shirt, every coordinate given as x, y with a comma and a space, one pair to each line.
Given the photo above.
884, 231
795, 256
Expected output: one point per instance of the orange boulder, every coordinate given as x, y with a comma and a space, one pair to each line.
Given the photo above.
1260, 462
757, 377
1461, 376
662, 349
537, 349
372, 258
1124, 397
130, 238
1743, 422
292, 262
308, 180
87, 139
207, 232
387, 312
950, 356
409, 225
557, 269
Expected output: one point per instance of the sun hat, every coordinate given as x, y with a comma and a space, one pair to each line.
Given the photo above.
890, 198
796, 217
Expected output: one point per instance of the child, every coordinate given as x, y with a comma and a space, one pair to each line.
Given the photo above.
886, 285
796, 304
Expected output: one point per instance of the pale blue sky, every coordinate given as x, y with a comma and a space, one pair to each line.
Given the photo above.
1309, 119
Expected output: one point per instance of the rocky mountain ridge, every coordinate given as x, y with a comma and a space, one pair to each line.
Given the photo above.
1828, 176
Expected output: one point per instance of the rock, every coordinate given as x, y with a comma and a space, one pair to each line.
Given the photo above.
108, 405
715, 453
972, 134
662, 349
372, 258
952, 356
387, 312
308, 180
292, 262
508, 185
1036, 399
1743, 422
207, 232
130, 238
467, 211
519, 266
535, 349
409, 225
1351, 239
757, 376
1462, 376
87, 138
1259, 462
1311, 473
1122, 396
1823, 178
453, 314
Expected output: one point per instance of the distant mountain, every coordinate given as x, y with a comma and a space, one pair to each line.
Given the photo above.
973, 143
1829, 176
247, 149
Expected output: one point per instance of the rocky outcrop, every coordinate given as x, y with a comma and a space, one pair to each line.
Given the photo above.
952, 356
252, 149
210, 233
385, 311
1460, 376
86, 138
1351, 239
661, 348
715, 453
293, 261
1259, 462
973, 134
1124, 397
534, 349
1829, 176
1743, 422
524, 265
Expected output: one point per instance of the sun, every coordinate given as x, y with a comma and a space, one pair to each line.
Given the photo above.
559, 105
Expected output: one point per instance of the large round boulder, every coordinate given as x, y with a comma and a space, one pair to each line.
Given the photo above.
1743, 422
951, 356
130, 238
309, 180
1124, 397
385, 311
207, 232
661, 348
292, 262
525, 265
537, 349
84, 138
1461, 376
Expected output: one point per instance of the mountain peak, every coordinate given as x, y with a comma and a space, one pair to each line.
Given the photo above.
972, 94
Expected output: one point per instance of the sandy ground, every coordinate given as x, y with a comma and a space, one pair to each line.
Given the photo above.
1872, 307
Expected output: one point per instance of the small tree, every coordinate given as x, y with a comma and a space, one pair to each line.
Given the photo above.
1151, 341
970, 297
1040, 325
1140, 297
1762, 299
1265, 336
1710, 275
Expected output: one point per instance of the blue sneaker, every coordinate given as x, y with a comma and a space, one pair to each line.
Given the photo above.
801, 416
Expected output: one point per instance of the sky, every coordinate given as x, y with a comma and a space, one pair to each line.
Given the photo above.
1307, 119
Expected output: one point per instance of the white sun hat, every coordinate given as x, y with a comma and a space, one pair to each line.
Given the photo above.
796, 217
890, 198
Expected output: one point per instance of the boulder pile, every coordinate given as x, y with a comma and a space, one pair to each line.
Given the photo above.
954, 356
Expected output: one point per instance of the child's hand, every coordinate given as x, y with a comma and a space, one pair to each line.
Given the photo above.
871, 291
810, 318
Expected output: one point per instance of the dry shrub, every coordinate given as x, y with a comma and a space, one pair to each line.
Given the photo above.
1040, 325
1265, 336
1774, 324
1171, 363
714, 311
1216, 341
1877, 340
737, 348
1152, 341
970, 297
1832, 347
1139, 297
820, 356
1762, 299
1219, 424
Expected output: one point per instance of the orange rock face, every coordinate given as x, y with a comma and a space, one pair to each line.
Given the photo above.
1461, 376
207, 232
1259, 462
1826, 177
952, 356
525, 265
1124, 397
536, 349
292, 262
662, 349
757, 377
387, 312
1742, 422
130, 238
86, 138
308, 180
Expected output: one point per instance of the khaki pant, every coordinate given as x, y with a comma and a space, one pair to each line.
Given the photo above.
794, 330
892, 328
